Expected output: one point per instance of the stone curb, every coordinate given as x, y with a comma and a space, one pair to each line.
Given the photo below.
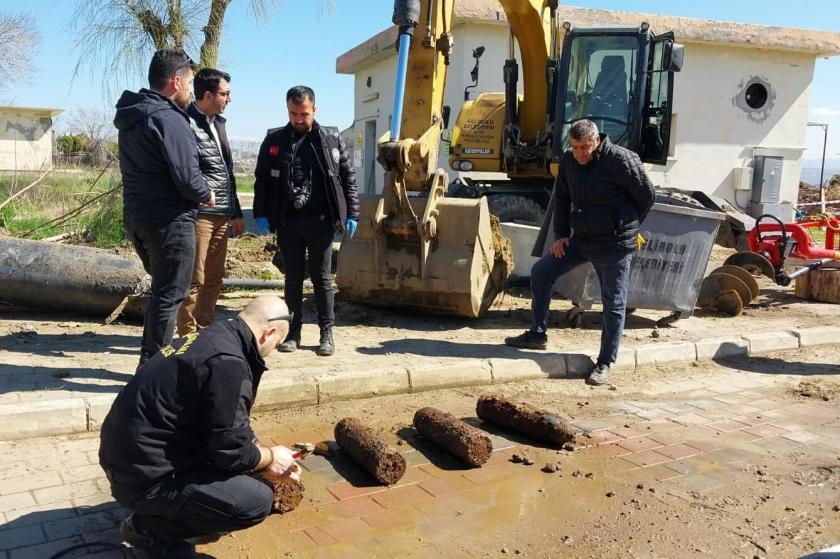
300, 388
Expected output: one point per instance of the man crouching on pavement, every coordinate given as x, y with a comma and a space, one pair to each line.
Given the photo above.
177, 442
602, 194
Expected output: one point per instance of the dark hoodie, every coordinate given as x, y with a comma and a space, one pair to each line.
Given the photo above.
161, 177
187, 406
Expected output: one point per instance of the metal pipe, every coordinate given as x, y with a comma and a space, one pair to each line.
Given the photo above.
399, 89
54, 276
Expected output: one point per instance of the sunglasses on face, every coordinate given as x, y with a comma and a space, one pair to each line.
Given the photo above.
287, 317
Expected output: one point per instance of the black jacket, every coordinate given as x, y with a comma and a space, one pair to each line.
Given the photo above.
187, 405
216, 165
158, 158
603, 202
272, 198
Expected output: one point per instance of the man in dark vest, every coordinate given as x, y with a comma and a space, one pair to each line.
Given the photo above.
212, 95
305, 190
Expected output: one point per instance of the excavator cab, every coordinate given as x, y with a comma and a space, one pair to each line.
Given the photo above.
622, 79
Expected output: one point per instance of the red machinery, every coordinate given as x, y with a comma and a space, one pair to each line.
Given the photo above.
772, 243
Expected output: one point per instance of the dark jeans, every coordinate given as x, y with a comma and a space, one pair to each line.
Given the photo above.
314, 236
613, 269
198, 502
167, 250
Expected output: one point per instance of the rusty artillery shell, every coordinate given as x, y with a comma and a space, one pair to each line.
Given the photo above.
368, 450
525, 419
464, 441
288, 493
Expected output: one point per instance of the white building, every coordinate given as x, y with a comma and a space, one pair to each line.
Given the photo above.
26, 138
715, 133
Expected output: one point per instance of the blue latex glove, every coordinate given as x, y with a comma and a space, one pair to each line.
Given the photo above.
350, 227
263, 227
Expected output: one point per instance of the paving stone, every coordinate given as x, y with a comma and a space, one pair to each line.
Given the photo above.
344, 490
47, 549
804, 437
79, 525
446, 486
690, 419
501, 443
593, 425
822, 335
639, 444
66, 492
668, 438
700, 483
21, 536
401, 496
465, 372
727, 425
646, 458
82, 473
39, 514
628, 432
393, 518
678, 451
721, 348
601, 437
314, 463
765, 431
769, 342
655, 354
351, 508
320, 537
16, 501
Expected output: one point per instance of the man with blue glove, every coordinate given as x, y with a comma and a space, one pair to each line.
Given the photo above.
305, 191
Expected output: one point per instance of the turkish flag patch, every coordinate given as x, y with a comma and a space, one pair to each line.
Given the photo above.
274, 150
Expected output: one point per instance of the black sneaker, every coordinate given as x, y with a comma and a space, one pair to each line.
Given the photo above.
528, 340
326, 346
290, 344
600, 375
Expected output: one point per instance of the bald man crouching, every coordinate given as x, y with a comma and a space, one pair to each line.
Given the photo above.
177, 442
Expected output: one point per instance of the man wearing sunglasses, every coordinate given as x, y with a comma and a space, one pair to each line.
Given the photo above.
177, 444
162, 188
212, 95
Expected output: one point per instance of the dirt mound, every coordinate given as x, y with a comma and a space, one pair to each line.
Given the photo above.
250, 257
809, 194
820, 389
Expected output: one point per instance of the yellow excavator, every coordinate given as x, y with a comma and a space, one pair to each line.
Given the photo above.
418, 248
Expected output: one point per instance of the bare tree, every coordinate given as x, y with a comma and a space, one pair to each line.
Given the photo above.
98, 128
114, 33
19, 40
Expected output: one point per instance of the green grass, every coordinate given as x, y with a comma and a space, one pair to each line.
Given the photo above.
60, 192
245, 184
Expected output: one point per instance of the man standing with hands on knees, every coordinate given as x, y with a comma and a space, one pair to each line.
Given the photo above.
177, 444
162, 188
305, 190
602, 194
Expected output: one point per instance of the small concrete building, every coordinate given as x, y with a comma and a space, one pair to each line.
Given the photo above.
718, 133
26, 138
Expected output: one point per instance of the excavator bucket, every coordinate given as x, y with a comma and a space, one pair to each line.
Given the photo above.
466, 265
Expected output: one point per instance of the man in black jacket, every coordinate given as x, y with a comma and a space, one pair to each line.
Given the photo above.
162, 188
177, 442
212, 94
602, 194
305, 189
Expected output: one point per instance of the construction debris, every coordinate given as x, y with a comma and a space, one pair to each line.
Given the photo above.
370, 451
464, 441
525, 419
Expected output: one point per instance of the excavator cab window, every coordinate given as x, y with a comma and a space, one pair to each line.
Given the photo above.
600, 84
665, 59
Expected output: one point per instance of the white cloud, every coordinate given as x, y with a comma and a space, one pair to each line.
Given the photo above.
825, 111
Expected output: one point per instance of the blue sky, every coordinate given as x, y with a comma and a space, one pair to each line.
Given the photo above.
299, 44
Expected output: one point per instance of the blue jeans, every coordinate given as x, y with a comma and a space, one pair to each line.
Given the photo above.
167, 250
612, 265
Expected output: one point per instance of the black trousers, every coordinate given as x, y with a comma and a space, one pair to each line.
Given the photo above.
199, 502
297, 237
167, 250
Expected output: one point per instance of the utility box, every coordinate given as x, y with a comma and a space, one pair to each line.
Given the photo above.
742, 178
767, 179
